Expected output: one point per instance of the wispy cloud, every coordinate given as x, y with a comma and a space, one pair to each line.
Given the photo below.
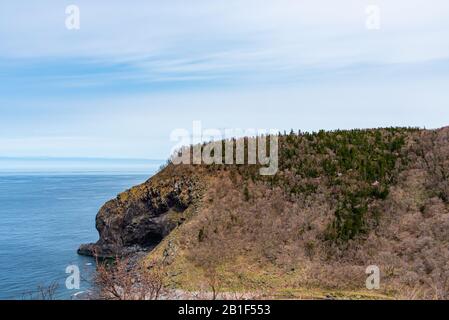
58, 83
153, 41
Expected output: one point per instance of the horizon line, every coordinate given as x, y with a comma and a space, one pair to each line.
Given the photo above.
77, 158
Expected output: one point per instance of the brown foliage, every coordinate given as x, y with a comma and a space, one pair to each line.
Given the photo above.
122, 280
406, 232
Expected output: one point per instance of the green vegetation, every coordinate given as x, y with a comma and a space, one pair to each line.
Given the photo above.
359, 165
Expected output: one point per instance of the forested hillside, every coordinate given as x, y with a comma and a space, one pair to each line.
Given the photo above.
341, 201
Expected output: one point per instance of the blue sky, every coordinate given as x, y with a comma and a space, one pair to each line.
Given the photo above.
136, 71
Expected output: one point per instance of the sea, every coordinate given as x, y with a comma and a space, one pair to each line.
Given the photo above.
47, 209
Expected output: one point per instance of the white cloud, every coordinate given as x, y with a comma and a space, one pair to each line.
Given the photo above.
294, 31
308, 64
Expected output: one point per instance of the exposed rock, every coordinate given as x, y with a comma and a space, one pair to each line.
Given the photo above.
138, 219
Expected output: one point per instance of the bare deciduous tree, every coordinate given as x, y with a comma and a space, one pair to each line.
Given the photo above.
43, 292
121, 280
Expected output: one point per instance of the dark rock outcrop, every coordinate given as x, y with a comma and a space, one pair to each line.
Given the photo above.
139, 218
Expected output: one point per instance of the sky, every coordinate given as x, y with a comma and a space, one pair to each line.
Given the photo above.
137, 70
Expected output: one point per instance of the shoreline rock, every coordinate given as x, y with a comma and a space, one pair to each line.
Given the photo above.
139, 218
107, 252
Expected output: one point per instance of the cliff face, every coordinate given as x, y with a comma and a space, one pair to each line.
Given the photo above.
341, 201
139, 218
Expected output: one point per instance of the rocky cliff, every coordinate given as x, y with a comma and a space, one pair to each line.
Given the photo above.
139, 218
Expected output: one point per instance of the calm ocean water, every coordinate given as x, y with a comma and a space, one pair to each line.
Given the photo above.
44, 217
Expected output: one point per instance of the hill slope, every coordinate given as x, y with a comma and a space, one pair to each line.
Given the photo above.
341, 201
